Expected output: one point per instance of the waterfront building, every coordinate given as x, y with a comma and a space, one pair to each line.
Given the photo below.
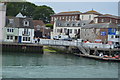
71, 28
101, 32
2, 19
40, 29
19, 29
107, 18
89, 15
66, 16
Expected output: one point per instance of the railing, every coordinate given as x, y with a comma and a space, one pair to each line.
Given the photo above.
73, 43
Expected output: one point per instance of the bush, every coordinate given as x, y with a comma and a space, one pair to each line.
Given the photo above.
49, 25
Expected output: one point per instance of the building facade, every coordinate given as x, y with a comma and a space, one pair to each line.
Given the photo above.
41, 30
89, 15
103, 32
107, 18
2, 19
19, 29
66, 16
71, 28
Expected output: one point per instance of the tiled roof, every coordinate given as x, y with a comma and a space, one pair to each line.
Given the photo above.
92, 12
109, 15
69, 12
38, 22
100, 25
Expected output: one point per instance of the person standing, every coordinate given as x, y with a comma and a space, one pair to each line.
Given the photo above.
38, 40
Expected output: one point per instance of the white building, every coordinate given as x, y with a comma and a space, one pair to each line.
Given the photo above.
19, 29
89, 15
2, 18
71, 28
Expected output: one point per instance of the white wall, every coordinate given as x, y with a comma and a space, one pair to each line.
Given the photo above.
113, 39
31, 35
71, 34
2, 19
86, 16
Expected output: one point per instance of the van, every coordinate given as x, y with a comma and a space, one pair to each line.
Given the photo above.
62, 37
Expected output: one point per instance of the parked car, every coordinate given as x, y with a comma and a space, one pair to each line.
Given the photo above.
68, 39
60, 37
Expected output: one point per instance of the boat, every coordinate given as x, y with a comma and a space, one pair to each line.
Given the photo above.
98, 57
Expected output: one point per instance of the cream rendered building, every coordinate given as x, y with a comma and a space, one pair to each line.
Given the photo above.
2, 19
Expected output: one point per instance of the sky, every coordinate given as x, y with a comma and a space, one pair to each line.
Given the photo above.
101, 7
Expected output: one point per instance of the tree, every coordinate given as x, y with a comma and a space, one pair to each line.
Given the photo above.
43, 13
26, 8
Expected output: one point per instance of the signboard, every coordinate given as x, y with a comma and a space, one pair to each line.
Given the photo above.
111, 31
103, 33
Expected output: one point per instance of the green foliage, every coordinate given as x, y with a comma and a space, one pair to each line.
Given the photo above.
49, 25
30, 10
26, 8
43, 13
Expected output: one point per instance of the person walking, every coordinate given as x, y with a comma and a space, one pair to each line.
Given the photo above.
38, 40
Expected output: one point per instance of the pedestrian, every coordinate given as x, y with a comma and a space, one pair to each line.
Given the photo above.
38, 40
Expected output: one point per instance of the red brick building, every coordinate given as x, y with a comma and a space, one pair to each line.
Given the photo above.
107, 18
66, 16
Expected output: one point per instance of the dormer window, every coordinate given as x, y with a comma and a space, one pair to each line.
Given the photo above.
11, 21
67, 24
78, 24
26, 23
73, 24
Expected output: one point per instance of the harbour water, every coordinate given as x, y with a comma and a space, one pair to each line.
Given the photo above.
55, 65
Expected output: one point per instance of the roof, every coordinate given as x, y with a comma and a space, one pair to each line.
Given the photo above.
18, 22
100, 25
78, 23
109, 15
92, 12
38, 22
68, 13
20, 15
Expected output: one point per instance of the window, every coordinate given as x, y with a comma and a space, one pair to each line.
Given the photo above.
59, 18
75, 31
112, 36
116, 21
65, 30
26, 38
9, 37
89, 17
10, 30
70, 30
102, 20
26, 32
116, 36
26, 23
68, 25
11, 21
73, 24
78, 24
23, 38
58, 30
59, 24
